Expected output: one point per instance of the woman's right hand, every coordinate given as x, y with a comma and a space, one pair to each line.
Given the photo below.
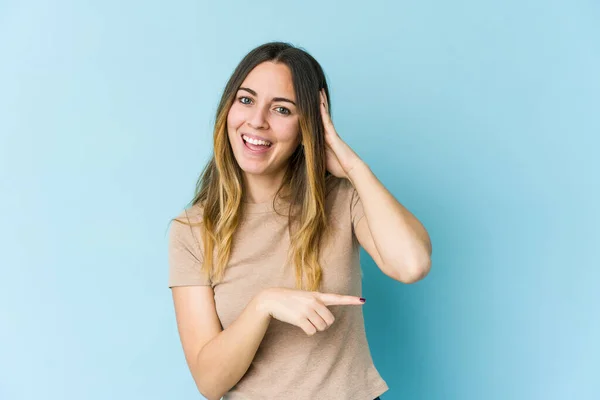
307, 310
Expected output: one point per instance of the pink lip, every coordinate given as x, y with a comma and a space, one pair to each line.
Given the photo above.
248, 149
257, 137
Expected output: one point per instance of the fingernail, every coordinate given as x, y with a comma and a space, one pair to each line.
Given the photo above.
363, 300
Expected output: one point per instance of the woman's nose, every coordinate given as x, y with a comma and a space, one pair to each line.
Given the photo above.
257, 119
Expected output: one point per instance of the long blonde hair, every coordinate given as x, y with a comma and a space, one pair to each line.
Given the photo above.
220, 187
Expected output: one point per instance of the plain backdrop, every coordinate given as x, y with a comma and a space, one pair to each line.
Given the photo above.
482, 118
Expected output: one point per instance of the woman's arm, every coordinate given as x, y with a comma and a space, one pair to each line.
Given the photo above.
395, 239
393, 236
217, 358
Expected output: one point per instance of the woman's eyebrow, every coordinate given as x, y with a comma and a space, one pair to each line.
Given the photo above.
252, 92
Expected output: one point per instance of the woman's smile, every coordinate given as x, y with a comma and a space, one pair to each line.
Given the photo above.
255, 149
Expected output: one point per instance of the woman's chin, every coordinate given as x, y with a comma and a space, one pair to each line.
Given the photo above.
253, 169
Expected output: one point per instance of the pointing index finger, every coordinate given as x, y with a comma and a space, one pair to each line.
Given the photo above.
330, 299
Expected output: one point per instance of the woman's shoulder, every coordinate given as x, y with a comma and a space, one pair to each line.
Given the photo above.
339, 195
185, 227
191, 215
337, 187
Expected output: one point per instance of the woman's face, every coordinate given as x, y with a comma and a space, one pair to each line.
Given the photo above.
264, 108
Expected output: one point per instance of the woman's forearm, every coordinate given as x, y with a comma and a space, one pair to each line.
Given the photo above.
224, 360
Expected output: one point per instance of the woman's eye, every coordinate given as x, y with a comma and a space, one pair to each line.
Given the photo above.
285, 110
242, 98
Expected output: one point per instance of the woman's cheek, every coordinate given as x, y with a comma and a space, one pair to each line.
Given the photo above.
291, 130
232, 120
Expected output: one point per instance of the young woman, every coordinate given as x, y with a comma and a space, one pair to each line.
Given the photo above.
264, 265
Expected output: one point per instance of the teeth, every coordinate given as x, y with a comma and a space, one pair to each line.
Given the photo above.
256, 142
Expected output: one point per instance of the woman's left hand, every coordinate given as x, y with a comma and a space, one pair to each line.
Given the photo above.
340, 157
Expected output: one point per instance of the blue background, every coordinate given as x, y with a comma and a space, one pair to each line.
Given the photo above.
482, 118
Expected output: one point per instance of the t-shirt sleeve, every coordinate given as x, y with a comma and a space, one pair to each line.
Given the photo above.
356, 206
185, 258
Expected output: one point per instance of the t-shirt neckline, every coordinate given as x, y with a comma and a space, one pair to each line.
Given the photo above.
258, 208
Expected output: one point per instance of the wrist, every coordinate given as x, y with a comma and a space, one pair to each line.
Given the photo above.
359, 168
261, 304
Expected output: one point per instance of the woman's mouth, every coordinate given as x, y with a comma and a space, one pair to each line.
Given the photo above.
256, 147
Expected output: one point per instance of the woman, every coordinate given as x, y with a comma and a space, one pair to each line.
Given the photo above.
264, 265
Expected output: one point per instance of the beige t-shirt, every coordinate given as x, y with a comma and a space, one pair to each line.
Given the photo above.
289, 364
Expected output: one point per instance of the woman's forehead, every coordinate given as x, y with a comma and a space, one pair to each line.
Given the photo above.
271, 80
